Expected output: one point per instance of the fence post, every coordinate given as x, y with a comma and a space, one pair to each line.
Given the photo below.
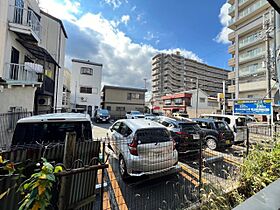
247, 142
102, 175
68, 158
200, 168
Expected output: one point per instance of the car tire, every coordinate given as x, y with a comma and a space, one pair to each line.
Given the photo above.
122, 168
211, 143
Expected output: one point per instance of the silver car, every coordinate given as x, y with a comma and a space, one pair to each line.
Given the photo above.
143, 147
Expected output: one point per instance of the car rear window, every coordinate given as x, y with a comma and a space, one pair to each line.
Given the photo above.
221, 126
189, 127
52, 132
146, 136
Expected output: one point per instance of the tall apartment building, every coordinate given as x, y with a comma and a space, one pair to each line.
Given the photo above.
248, 48
85, 86
173, 73
32, 45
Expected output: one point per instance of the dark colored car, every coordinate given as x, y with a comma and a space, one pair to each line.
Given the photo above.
217, 133
186, 134
101, 115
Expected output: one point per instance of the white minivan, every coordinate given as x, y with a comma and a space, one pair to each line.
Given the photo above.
236, 123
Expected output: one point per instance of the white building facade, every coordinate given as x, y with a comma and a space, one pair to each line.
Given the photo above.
29, 65
85, 86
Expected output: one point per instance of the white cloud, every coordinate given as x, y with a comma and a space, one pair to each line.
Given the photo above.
125, 63
125, 19
115, 3
65, 9
133, 9
222, 37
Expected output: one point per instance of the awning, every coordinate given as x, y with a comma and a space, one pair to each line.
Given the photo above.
156, 108
38, 52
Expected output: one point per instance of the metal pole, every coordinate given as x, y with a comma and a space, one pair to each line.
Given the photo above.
277, 28
196, 107
224, 97
102, 176
200, 167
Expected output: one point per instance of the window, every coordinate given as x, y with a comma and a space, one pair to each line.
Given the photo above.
86, 71
120, 108
167, 102
135, 96
108, 108
201, 100
178, 101
87, 90
250, 96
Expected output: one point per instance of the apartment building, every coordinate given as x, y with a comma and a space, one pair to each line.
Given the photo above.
31, 55
119, 100
173, 73
248, 48
85, 86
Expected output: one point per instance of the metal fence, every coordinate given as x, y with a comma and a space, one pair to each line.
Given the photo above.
7, 125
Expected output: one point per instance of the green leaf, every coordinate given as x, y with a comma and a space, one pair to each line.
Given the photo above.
2, 195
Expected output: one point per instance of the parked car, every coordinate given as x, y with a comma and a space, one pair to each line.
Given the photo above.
143, 147
181, 116
187, 135
134, 115
217, 133
150, 116
236, 123
101, 115
52, 128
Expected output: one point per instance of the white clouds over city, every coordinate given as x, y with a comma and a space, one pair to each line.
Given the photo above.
222, 37
93, 37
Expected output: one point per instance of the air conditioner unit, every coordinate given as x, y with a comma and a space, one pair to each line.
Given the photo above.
83, 99
44, 101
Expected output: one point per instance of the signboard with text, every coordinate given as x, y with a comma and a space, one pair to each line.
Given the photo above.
253, 107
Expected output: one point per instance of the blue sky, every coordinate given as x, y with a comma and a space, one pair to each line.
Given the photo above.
125, 34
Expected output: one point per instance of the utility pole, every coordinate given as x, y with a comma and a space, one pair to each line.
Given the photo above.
196, 107
145, 80
224, 97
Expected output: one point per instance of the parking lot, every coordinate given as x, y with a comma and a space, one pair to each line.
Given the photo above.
173, 191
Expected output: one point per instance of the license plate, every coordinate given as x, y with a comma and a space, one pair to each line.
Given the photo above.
227, 141
103, 119
196, 136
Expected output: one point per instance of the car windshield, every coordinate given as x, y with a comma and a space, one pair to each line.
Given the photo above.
135, 112
103, 111
222, 126
146, 136
52, 132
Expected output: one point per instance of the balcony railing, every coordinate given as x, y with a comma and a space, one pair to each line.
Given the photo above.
252, 8
25, 17
231, 9
22, 73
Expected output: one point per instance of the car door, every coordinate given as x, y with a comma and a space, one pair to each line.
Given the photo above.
113, 135
125, 137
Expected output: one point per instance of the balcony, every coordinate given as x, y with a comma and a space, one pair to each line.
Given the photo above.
231, 10
23, 74
231, 49
155, 72
231, 36
231, 62
251, 56
230, 2
25, 23
231, 89
231, 75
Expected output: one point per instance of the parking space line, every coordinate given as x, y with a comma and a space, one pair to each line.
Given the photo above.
185, 168
106, 201
116, 188
195, 183
225, 157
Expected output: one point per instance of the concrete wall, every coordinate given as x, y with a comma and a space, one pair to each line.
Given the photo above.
78, 80
17, 97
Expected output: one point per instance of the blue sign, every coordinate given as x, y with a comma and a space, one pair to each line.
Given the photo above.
254, 107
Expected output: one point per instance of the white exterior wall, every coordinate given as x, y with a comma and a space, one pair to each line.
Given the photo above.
54, 41
17, 97
78, 80
3, 33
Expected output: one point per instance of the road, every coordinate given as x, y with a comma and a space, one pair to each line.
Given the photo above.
172, 191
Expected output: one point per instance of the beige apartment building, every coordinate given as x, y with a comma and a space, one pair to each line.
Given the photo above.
173, 73
119, 100
32, 52
248, 48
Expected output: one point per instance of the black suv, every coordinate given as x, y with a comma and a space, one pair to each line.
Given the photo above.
186, 134
217, 133
101, 115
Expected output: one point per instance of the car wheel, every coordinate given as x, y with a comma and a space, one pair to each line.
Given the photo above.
211, 143
122, 168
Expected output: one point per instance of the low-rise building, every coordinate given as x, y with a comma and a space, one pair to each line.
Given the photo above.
85, 86
187, 102
119, 100
32, 45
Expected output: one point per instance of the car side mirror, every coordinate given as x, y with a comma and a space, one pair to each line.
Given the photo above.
111, 129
